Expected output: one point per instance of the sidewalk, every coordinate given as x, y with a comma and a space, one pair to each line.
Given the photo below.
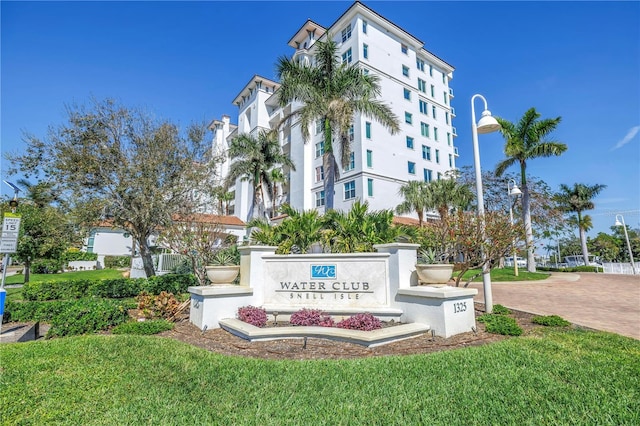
605, 302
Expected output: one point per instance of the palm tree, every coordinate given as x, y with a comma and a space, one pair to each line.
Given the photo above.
576, 200
252, 159
446, 194
277, 177
332, 92
525, 141
414, 194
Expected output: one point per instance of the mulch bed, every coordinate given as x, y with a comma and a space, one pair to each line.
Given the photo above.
223, 342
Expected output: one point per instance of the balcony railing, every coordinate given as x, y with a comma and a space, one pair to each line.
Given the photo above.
454, 131
455, 151
453, 111
451, 92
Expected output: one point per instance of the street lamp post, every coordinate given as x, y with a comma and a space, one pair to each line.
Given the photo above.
13, 203
620, 222
487, 124
513, 190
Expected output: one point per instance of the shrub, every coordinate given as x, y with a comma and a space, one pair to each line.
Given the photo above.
88, 316
311, 317
500, 310
117, 288
500, 324
74, 254
253, 315
164, 305
55, 290
46, 266
143, 327
365, 322
173, 283
35, 310
114, 262
550, 321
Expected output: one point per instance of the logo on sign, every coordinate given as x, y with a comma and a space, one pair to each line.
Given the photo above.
323, 271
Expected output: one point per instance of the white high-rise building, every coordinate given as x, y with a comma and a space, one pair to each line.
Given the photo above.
414, 83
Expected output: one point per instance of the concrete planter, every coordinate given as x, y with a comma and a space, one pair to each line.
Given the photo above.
434, 274
222, 274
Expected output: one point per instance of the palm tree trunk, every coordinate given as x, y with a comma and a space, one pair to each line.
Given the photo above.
528, 231
329, 164
583, 240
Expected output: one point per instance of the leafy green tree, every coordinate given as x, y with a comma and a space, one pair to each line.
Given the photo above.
524, 141
253, 158
634, 241
605, 246
577, 199
107, 155
332, 92
414, 194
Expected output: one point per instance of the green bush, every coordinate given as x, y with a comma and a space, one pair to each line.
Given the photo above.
550, 321
88, 316
35, 310
171, 283
143, 327
117, 288
73, 255
114, 262
55, 290
501, 310
500, 324
46, 266
572, 269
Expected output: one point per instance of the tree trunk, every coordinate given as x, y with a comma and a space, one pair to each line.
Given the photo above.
583, 241
329, 164
27, 270
145, 254
528, 232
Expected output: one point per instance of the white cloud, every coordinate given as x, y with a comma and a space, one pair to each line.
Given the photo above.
630, 135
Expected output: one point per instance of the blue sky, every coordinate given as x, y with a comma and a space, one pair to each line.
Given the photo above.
186, 61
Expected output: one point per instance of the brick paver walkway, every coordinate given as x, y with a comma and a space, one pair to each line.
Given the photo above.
605, 302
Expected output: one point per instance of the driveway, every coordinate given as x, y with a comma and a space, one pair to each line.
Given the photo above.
605, 302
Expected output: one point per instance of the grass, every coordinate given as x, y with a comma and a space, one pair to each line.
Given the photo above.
75, 275
555, 377
506, 274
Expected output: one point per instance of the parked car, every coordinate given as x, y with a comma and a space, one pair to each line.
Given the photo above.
578, 260
508, 261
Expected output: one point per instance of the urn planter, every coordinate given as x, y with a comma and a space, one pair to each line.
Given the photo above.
222, 274
434, 274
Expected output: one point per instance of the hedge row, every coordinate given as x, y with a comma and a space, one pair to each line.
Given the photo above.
71, 317
571, 269
117, 288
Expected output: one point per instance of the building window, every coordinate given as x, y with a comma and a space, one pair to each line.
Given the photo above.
405, 71
369, 158
346, 57
437, 156
351, 134
319, 173
408, 118
91, 241
319, 126
365, 51
407, 94
364, 26
346, 33
422, 85
435, 133
450, 160
367, 129
423, 107
427, 175
319, 149
433, 91
370, 187
404, 49
448, 138
365, 71
352, 162
446, 117
426, 152
319, 198
411, 167
439, 175
350, 190
420, 64
433, 111
431, 70
445, 97
424, 129
409, 142
443, 79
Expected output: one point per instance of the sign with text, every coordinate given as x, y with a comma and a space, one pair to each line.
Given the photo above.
10, 230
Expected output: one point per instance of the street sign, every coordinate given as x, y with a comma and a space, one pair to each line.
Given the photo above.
10, 230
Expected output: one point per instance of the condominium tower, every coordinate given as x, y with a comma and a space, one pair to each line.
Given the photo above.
414, 83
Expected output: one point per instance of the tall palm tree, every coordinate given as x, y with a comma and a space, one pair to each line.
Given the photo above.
332, 92
277, 177
414, 194
524, 141
578, 199
251, 159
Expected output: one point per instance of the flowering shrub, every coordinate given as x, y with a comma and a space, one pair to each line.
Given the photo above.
252, 315
364, 322
311, 317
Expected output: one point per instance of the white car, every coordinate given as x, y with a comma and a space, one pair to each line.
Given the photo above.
508, 261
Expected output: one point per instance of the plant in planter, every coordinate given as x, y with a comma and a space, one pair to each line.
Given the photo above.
433, 267
225, 266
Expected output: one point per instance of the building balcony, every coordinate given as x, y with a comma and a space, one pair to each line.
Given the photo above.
454, 132
451, 92
455, 151
453, 112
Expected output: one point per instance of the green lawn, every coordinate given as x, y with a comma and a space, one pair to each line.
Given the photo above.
555, 377
506, 274
76, 275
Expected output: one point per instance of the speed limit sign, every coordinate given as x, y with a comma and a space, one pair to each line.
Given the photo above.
10, 230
